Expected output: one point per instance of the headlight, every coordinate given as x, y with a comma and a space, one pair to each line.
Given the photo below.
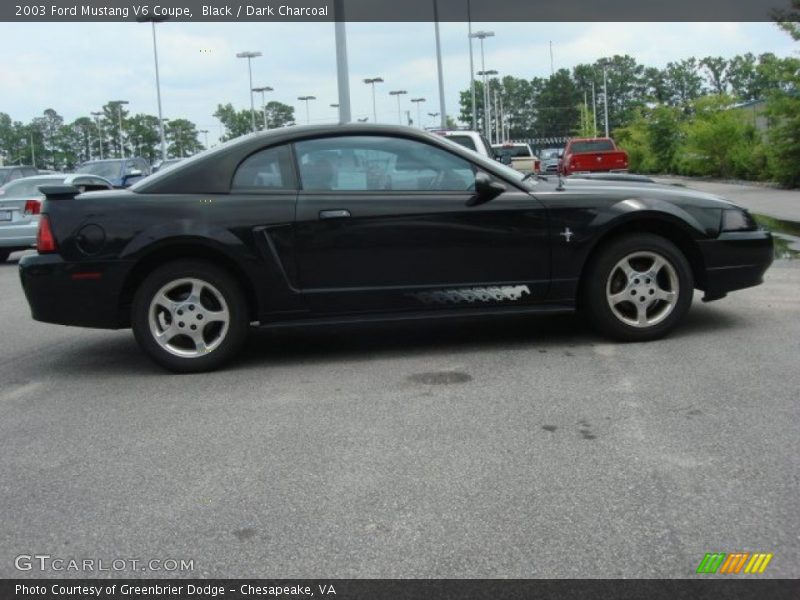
736, 219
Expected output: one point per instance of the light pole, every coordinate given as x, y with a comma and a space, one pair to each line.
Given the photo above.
482, 35
266, 88
372, 81
439, 70
418, 101
205, 133
398, 93
306, 99
487, 102
250, 56
335, 106
97, 116
153, 19
605, 94
594, 111
433, 115
471, 68
119, 104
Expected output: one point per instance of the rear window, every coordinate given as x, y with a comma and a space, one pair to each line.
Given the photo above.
110, 170
513, 151
592, 146
463, 140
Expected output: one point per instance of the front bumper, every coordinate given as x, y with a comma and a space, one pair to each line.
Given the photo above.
735, 260
83, 294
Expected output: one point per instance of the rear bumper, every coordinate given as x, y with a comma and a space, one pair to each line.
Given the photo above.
734, 261
82, 294
22, 235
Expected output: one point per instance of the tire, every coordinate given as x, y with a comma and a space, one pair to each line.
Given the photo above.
637, 288
4, 254
190, 316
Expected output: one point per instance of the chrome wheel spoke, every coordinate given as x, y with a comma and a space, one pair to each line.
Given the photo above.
658, 264
627, 268
665, 295
189, 319
641, 314
622, 296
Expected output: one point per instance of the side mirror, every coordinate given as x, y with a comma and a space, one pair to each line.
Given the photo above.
131, 176
486, 189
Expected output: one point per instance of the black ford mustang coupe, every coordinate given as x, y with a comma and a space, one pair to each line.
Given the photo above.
347, 223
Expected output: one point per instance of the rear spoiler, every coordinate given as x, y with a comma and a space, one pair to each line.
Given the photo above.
59, 192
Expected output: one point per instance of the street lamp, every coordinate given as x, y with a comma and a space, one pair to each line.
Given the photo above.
250, 56
372, 81
306, 99
153, 19
605, 93
487, 107
363, 119
482, 35
398, 93
97, 116
433, 115
119, 104
418, 101
266, 88
205, 133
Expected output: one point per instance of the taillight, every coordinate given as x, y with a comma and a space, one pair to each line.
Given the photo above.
32, 207
45, 242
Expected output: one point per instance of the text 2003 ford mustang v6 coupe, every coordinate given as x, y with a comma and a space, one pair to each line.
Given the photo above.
364, 222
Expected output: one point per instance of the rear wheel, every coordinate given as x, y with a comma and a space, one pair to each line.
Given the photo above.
638, 288
190, 316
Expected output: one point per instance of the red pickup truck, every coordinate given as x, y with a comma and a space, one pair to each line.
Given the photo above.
593, 155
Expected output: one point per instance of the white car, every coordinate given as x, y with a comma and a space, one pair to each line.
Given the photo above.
21, 203
469, 139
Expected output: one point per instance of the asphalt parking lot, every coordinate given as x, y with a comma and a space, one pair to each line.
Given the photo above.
513, 448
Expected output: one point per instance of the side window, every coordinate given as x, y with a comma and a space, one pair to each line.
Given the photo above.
269, 169
377, 163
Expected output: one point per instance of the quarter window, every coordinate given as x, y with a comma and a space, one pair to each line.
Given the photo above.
269, 169
377, 163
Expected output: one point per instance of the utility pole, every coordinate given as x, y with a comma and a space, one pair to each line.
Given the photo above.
482, 35
153, 20
471, 67
342, 71
250, 56
119, 104
398, 93
266, 88
372, 81
605, 95
594, 110
418, 101
439, 64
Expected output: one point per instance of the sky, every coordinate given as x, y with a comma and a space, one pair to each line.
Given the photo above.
75, 68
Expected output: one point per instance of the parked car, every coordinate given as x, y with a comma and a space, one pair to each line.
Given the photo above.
20, 206
471, 140
550, 158
16, 172
122, 172
166, 163
362, 223
517, 155
592, 155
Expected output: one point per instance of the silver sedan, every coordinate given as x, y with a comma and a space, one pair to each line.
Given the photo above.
21, 203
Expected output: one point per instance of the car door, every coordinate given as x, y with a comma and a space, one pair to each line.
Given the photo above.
385, 222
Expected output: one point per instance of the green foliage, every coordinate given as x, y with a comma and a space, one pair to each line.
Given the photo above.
720, 142
784, 151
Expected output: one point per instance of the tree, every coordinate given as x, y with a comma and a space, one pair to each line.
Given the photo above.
279, 114
236, 123
555, 105
182, 137
684, 83
145, 136
716, 67
789, 20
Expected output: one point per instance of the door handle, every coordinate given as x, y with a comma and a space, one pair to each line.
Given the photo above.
339, 213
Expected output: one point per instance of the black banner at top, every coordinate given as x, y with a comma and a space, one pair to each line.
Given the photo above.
393, 10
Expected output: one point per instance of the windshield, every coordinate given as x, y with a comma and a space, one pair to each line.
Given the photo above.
110, 169
591, 146
28, 186
513, 151
550, 153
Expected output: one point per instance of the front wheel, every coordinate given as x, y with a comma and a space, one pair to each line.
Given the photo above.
638, 288
190, 316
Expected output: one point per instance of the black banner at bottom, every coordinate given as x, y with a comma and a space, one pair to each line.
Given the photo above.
398, 589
